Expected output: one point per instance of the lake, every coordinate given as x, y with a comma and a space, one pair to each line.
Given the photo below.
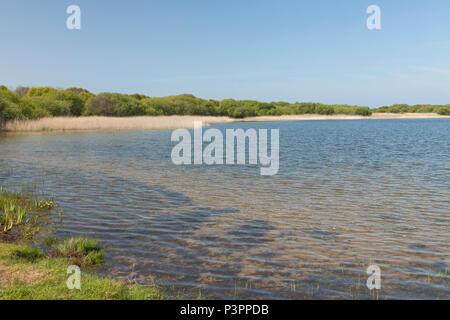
348, 194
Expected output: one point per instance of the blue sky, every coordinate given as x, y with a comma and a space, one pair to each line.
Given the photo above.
247, 49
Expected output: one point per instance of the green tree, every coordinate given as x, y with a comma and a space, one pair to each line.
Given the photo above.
41, 91
101, 105
8, 111
444, 111
324, 109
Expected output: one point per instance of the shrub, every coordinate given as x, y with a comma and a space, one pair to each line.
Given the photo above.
41, 91
158, 106
305, 108
264, 108
76, 104
363, 111
8, 95
324, 109
101, 105
32, 110
444, 111
50, 105
126, 106
9, 111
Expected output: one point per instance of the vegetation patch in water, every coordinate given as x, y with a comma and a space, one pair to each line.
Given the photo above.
22, 217
81, 251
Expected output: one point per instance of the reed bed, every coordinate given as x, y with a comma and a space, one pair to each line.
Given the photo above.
99, 123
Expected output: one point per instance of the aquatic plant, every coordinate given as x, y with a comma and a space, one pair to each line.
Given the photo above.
28, 274
81, 251
22, 215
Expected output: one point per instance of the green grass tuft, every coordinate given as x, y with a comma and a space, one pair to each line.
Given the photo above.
27, 254
81, 251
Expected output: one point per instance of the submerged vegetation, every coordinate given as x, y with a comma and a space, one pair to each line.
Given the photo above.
41, 102
23, 216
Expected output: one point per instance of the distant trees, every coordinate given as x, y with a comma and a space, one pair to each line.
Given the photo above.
444, 111
8, 111
324, 109
305, 107
417, 108
39, 102
101, 105
49, 105
22, 91
41, 91
9, 108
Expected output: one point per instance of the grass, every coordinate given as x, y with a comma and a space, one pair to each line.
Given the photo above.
23, 216
27, 254
26, 274
81, 251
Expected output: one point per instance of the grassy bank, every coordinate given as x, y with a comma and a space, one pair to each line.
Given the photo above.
29, 273
25, 273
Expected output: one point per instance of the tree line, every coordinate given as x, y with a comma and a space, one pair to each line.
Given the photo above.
40, 102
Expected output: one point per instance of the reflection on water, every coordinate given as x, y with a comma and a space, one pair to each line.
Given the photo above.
348, 194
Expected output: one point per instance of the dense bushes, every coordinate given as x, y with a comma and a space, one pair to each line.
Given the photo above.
417, 108
39, 102
9, 108
444, 111
100, 105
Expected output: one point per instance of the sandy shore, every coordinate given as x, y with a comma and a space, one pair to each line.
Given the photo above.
175, 122
347, 117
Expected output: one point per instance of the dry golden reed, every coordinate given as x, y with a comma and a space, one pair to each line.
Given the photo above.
109, 123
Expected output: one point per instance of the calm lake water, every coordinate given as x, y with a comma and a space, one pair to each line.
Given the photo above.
348, 194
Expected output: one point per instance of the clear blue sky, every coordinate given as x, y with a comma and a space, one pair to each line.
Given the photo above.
244, 49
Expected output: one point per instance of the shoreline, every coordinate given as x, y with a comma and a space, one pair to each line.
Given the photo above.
310, 117
27, 273
99, 123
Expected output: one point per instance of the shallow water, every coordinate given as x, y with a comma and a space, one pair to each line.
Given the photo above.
348, 194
